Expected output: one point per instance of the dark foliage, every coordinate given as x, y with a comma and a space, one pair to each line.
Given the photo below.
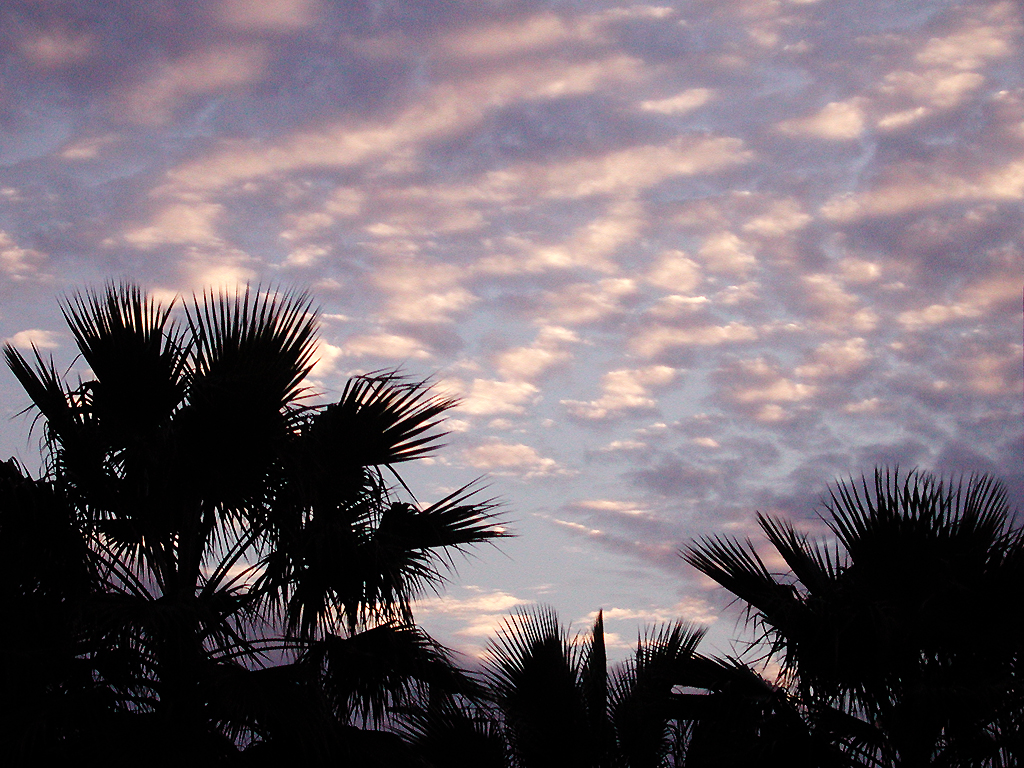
899, 637
210, 561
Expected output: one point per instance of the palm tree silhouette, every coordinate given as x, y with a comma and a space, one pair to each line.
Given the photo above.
898, 636
561, 706
218, 561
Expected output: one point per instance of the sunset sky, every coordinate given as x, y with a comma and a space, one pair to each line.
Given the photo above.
683, 261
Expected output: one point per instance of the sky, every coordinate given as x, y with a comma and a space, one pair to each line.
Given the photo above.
682, 262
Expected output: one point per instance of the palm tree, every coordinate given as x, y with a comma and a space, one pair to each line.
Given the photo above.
562, 706
232, 564
899, 636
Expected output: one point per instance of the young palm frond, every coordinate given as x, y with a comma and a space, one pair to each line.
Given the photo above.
253, 339
533, 671
641, 699
594, 685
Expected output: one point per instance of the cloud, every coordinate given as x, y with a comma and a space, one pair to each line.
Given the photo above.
326, 357
541, 33
421, 291
939, 89
837, 121
693, 609
180, 223
656, 339
268, 15
517, 458
530, 362
675, 271
386, 345
622, 446
975, 301
625, 172
16, 262
503, 39
212, 70
869, 405
479, 602
783, 217
835, 359
832, 307
58, 47
446, 110
911, 187
969, 49
990, 372
34, 337
623, 390
777, 390
589, 246
725, 253
588, 302
645, 547
686, 101
627, 508
485, 397
476, 615
89, 148
758, 387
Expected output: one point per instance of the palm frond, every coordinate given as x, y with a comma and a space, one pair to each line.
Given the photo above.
641, 700
254, 344
455, 732
368, 675
815, 567
250, 354
594, 683
45, 388
738, 568
407, 534
380, 420
533, 671
137, 354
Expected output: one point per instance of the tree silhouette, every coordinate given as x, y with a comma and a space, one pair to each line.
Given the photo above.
210, 560
898, 635
561, 705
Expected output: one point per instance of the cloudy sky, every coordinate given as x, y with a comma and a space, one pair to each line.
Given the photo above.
682, 261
